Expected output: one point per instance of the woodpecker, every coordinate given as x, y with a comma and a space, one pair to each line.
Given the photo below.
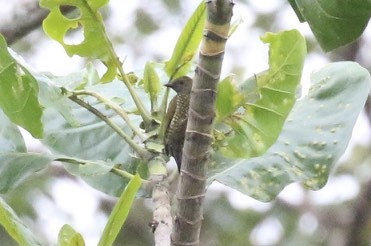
176, 118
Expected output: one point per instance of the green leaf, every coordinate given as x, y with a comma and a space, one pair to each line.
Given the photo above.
19, 93
314, 136
15, 227
14, 167
15, 163
95, 45
228, 99
187, 44
69, 237
91, 139
11, 139
120, 212
334, 23
152, 84
86, 167
251, 115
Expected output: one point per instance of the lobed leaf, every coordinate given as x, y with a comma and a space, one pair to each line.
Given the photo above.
19, 93
120, 212
252, 114
95, 44
187, 44
15, 227
334, 23
313, 138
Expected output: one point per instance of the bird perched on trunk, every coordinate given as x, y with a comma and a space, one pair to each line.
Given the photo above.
176, 118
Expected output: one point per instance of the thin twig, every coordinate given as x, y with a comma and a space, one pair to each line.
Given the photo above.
141, 152
115, 107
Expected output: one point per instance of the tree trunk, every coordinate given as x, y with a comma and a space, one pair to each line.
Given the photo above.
191, 187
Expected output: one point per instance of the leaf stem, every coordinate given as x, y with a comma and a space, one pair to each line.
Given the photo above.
146, 155
143, 112
116, 108
115, 170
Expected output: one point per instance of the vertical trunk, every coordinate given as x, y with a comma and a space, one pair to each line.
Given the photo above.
191, 188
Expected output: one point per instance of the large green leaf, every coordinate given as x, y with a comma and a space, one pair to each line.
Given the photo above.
15, 227
251, 114
120, 212
95, 44
15, 163
19, 93
92, 139
314, 136
334, 22
187, 44
14, 167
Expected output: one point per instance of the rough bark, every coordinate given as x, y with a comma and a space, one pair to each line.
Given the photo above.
191, 187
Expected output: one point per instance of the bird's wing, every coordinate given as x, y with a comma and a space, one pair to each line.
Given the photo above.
169, 116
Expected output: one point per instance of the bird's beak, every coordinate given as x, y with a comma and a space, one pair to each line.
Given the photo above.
170, 85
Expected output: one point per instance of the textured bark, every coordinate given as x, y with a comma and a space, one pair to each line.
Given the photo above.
162, 220
191, 187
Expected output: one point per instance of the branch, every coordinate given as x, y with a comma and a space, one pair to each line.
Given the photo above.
192, 183
27, 16
115, 108
144, 154
359, 227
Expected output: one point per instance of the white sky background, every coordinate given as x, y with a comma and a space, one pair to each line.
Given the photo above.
78, 202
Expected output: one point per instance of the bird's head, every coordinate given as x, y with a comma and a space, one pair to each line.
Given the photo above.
182, 85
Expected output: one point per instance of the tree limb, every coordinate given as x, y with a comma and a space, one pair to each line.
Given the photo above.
359, 227
191, 187
27, 16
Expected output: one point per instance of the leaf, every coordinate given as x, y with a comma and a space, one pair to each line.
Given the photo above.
11, 139
120, 212
228, 98
15, 227
91, 139
19, 93
314, 136
95, 44
187, 44
251, 115
152, 84
69, 237
334, 23
86, 167
14, 167
15, 163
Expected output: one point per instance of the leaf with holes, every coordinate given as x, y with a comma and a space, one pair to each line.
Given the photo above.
314, 136
95, 44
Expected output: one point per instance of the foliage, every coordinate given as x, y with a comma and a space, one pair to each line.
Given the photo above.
334, 22
258, 118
